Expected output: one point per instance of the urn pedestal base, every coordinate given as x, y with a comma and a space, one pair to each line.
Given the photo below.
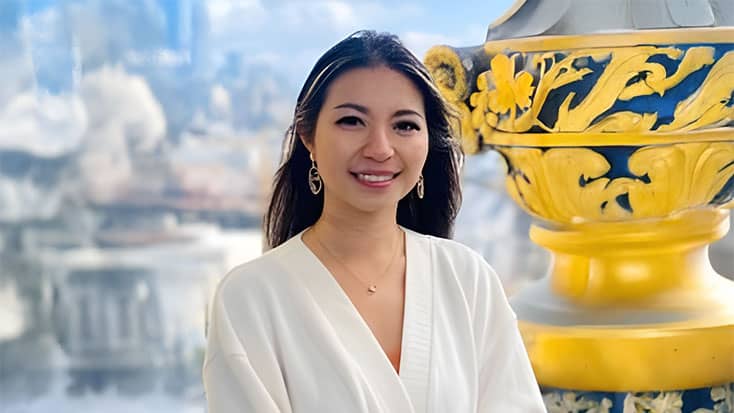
632, 314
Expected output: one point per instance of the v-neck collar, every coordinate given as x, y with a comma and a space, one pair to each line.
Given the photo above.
352, 329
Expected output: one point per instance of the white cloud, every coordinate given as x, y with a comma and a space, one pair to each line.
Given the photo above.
419, 43
42, 124
340, 12
32, 120
220, 103
114, 118
23, 199
285, 27
114, 97
17, 75
12, 323
43, 26
322, 15
157, 57
236, 15
124, 117
219, 9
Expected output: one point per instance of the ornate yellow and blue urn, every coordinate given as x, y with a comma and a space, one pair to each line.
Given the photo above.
615, 119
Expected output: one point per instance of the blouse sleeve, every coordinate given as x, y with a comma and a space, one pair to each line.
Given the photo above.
238, 378
506, 379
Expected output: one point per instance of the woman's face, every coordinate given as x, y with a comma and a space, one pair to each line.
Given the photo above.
370, 140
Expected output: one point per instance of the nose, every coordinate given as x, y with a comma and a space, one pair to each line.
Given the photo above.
378, 145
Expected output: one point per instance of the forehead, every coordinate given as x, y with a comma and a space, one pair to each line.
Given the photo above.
377, 88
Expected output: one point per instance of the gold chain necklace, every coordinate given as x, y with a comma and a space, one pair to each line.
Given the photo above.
371, 287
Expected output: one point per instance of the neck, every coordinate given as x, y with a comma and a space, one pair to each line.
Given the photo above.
350, 233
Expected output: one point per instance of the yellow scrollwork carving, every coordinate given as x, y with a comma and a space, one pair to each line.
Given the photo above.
549, 184
681, 176
708, 107
448, 72
469, 139
450, 77
568, 185
510, 96
511, 100
625, 77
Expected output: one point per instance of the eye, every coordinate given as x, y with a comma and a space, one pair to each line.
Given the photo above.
406, 127
350, 121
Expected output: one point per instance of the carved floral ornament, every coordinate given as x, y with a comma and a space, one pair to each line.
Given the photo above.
589, 91
722, 401
501, 92
573, 185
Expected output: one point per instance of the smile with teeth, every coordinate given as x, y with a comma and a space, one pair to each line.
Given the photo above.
375, 178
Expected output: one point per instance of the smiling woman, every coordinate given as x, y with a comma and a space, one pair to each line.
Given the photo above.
370, 142
362, 303
360, 112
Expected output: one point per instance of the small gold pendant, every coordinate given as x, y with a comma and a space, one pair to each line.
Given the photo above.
372, 289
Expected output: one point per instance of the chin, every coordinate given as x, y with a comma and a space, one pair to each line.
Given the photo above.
374, 205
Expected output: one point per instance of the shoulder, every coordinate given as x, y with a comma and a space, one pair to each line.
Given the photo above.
450, 249
456, 254
457, 263
255, 278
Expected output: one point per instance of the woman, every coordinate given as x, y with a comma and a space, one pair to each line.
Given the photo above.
363, 304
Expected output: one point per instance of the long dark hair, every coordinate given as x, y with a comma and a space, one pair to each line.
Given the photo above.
293, 207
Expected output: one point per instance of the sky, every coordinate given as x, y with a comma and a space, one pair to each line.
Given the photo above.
287, 34
296, 32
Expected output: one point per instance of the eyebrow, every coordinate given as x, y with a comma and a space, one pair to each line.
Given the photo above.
358, 108
407, 112
366, 111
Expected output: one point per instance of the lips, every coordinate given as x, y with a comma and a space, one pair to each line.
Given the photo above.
375, 178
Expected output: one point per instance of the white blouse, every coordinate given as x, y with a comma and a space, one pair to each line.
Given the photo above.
284, 337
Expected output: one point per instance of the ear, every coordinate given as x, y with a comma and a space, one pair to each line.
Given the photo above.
308, 143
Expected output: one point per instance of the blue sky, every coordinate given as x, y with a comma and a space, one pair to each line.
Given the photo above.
296, 32
287, 34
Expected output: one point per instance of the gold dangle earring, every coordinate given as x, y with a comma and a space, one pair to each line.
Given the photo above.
420, 187
314, 179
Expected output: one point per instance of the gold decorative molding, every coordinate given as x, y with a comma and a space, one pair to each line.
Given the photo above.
507, 101
453, 71
598, 139
588, 91
571, 186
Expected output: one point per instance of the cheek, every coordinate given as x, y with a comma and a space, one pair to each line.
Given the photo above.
421, 153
